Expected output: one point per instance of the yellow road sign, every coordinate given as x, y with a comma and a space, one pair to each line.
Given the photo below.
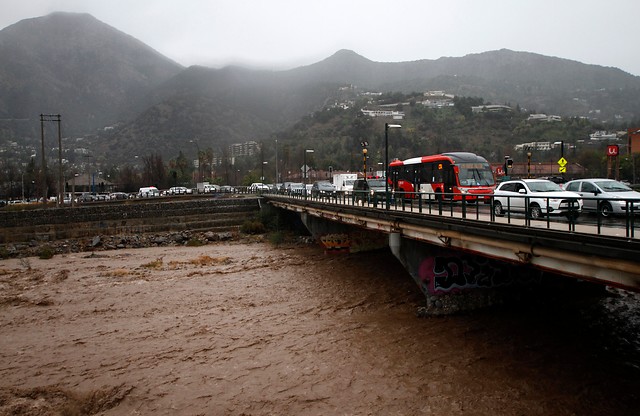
562, 161
562, 169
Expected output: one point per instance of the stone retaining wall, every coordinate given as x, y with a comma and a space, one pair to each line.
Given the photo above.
132, 217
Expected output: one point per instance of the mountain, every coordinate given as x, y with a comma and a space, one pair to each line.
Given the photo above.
96, 76
536, 82
222, 106
74, 65
217, 107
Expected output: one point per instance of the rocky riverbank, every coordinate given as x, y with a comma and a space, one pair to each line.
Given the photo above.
114, 242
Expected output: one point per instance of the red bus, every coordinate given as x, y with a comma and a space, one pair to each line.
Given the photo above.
445, 176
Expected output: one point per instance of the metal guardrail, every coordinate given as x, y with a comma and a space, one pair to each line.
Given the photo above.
480, 208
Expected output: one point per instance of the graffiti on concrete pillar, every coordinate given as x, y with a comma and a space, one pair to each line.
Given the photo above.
446, 274
336, 243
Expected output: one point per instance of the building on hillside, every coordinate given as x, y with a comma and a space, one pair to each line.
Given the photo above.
491, 108
538, 146
396, 115
438, 94
437, 103
244, 149
603, 135
543, 117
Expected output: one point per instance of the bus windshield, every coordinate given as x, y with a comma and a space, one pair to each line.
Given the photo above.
475, 174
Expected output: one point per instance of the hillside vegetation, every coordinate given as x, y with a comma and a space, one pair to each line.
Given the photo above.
336, 136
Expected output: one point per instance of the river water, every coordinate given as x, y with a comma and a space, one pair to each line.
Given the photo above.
250, 329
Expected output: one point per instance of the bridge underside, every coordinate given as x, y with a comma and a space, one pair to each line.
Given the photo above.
459, 265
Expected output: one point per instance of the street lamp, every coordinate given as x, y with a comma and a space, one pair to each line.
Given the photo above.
364, 145
262, 174
387, 126
528, 165
277, 179
199, 163
73, 189
304, 168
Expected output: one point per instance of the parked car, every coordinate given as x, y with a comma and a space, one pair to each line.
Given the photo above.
118, 195
538, 197
258, 187
87, 197
605, 196
323, 189
370, 190
178, 190
295, 188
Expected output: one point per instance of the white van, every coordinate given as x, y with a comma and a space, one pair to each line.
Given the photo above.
344, 181
148, 192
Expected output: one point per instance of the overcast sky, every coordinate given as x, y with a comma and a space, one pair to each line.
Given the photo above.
282, 34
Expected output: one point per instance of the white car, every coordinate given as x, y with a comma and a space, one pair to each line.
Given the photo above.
605, 196
178, 190
258, 187
537, 197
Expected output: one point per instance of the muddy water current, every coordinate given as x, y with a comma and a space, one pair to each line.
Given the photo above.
250, 329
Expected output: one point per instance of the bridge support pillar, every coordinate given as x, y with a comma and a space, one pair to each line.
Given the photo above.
337, 237
454, 281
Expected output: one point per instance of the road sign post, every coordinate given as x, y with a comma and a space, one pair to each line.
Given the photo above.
562, 165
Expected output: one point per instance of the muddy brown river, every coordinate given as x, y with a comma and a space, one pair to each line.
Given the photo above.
245, 328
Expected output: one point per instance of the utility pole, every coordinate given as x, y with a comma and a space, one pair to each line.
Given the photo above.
55, 118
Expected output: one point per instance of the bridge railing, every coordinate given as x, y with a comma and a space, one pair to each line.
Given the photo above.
483, 208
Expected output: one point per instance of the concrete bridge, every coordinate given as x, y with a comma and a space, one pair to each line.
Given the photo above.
460, 254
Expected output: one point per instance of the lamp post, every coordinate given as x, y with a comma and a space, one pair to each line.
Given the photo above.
277, 179
364, 145
528, 165
198, 167
262, 173
93, 181
73, 190
304, 168
387, 126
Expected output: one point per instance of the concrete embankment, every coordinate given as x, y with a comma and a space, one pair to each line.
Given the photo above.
133, 217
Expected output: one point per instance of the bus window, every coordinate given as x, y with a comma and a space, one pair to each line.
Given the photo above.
475, 174
438, 173
426, 173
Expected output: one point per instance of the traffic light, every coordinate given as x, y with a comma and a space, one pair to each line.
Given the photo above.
508, 163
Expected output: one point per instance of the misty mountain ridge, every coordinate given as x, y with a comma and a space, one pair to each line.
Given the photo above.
96, 76
75, 65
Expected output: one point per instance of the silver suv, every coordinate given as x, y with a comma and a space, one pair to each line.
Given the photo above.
537, 197
605, 196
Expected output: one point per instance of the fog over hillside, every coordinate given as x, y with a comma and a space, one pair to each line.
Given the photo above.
96, 77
